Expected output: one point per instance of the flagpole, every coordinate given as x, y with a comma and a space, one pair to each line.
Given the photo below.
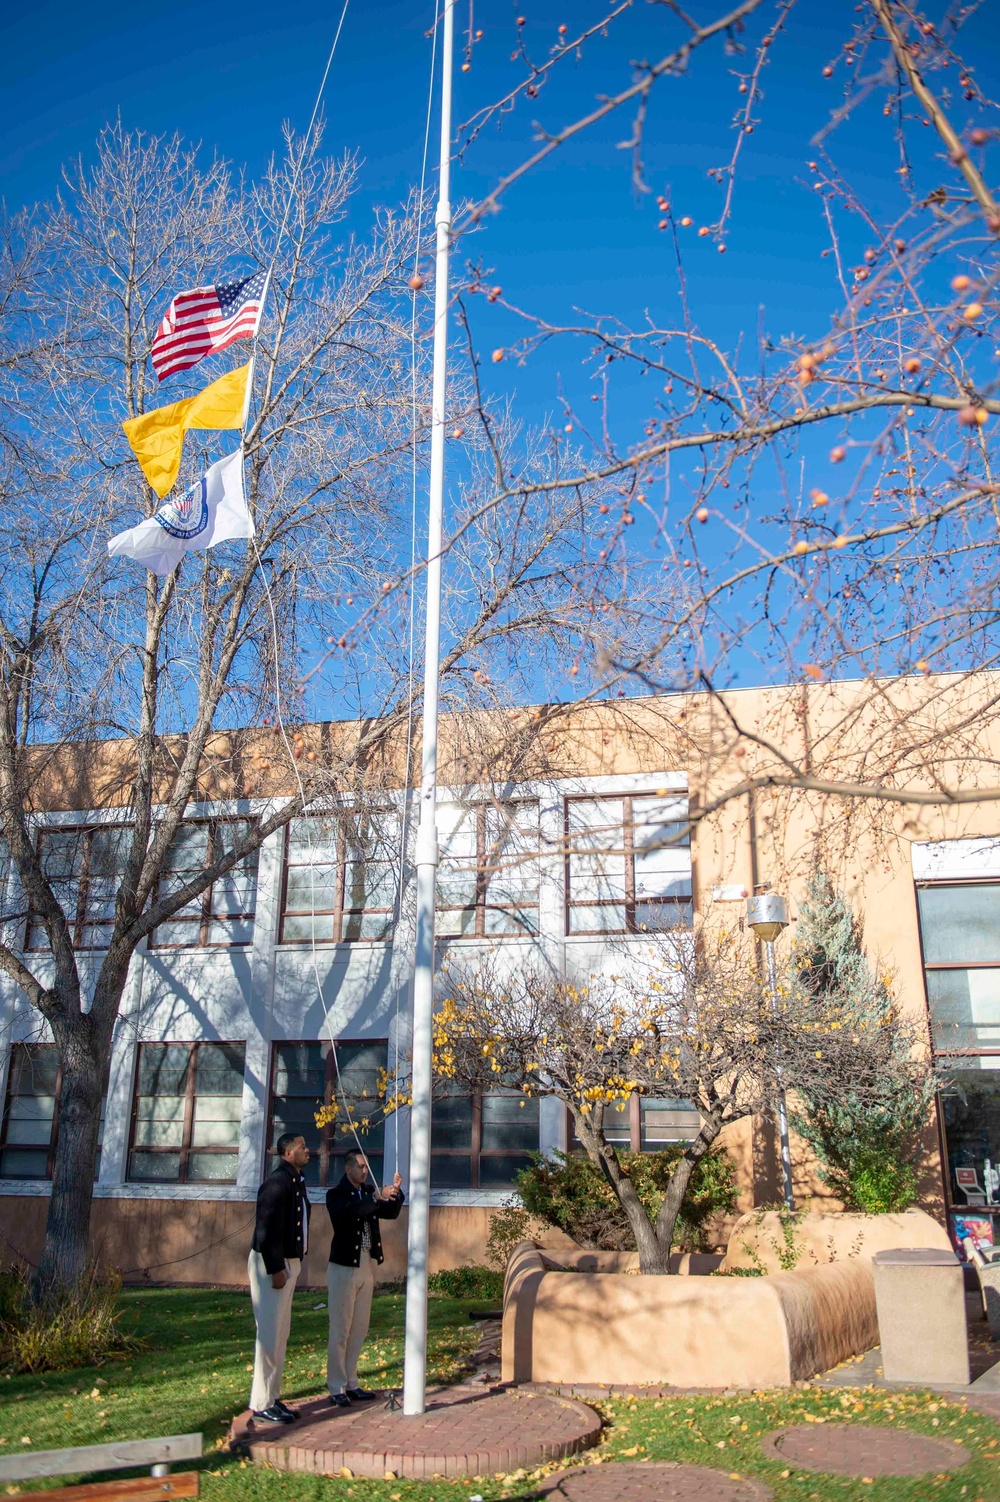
415, 1351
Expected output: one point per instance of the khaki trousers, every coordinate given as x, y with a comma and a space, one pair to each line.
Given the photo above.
272, 1309
349, 1291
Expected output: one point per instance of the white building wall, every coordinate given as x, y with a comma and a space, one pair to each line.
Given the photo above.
269, 992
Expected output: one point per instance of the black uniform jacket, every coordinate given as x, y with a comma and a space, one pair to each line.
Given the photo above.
278, 1232
349, 1209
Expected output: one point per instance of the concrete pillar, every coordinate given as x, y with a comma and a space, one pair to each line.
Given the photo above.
920, 1297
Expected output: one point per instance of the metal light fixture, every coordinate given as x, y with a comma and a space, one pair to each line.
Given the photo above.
767, 915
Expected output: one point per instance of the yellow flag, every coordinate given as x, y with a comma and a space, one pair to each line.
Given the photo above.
157, 437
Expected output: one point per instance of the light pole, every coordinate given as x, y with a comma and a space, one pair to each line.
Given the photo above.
767, 915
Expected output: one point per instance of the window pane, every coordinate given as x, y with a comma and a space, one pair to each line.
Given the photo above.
188, 849
451, 1122
960, 923
367, 926
596, 878
219, 1168
34, 1069
369, 884
24, 1163
607, 920
300, 1069
219, 1069
62, 853
965, 1008
510, 1122
455, 922
231, 832
108, 850
595, 823
512, 920
163, 1068
312, 841
236, 892
298, 929
228, 931
970, 1103
665, 1121
456, 885
451, 1171
661, 915
176, 931
29, 1120
456, 827
373, 835
311, 888
498, 1169
155, 1167
159, 1121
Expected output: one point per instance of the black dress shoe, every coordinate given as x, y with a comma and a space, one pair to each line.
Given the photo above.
359, 1395
283, 1407
274, 1415
340, 1400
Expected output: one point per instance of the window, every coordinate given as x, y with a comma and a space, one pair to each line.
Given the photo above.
306, 1076
223, 913
481, 1141
487, 881
340, 877
84, 870
31, 1116
186, 1117
960, 933
960, 937
628, 864
647, 1124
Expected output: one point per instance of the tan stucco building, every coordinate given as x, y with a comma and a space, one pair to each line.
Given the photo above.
224, 1036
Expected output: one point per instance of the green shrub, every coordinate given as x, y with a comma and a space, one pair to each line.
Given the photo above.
879, 1182
81, 1328
508, 1225
569, 1192
471, 1282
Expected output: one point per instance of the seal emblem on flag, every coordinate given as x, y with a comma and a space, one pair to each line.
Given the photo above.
187, 516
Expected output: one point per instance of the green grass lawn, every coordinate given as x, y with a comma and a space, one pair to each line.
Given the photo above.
194, 1374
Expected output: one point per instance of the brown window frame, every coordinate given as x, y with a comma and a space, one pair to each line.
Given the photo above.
476, 1151
627, 849
484, 874
326, 1153
339, 911
190, 1095
207, 916
80, 920
53, 1130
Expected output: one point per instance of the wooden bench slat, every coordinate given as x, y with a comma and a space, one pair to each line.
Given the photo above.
140, 1489
116, 1456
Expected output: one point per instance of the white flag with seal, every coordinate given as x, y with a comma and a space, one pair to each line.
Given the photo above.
211, 510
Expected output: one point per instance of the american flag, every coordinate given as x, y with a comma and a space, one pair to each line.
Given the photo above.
206, 319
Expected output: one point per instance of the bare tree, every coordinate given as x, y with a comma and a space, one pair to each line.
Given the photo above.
142, 696
828, 503
692, 1021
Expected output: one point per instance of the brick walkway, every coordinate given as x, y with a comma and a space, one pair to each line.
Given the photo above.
652, 1482
862, 1450
462, 1433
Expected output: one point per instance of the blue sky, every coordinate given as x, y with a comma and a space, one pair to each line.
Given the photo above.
573, 235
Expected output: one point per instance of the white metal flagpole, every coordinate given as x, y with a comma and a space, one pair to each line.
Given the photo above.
415, 1351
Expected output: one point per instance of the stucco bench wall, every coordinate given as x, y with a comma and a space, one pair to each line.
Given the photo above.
564, 1326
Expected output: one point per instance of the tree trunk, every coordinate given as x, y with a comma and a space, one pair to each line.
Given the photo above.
653, 1256
681, 1178
67, 1227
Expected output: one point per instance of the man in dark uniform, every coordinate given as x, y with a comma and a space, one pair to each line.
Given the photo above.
280, 1241
355, 1210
